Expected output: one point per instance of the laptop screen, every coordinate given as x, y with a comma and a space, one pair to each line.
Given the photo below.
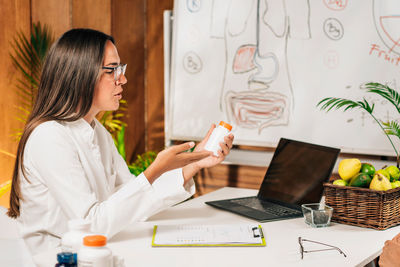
297, 172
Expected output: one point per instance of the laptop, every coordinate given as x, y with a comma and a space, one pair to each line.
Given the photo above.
295, 176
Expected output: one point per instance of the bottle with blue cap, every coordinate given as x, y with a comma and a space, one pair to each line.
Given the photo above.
66, 259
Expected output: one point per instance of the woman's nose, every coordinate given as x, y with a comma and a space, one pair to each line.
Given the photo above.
122, 80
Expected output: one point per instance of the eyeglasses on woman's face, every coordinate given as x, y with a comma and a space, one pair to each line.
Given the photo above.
117, 70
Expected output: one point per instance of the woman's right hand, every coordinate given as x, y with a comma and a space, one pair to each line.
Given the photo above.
172, 158
390, 255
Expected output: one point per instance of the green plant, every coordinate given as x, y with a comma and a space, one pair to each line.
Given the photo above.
142, 162
390, 128
113, 123
28, 56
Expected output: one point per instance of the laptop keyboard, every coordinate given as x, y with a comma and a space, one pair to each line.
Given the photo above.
268, 207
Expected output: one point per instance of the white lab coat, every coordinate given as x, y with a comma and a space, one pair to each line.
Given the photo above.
75, 171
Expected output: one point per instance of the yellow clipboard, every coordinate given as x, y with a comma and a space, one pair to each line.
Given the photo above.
250, 235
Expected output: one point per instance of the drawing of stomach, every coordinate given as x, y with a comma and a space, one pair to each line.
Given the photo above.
387, 23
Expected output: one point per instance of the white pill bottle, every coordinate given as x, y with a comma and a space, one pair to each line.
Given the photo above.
217, 137
94, 252
72, 240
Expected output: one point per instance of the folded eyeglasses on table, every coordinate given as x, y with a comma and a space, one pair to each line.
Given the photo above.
302, 250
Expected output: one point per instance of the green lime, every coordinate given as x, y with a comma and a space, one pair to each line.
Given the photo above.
394, 173
360, 180
368, 169
340, 182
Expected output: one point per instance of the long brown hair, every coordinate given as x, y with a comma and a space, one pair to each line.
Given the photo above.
70, 73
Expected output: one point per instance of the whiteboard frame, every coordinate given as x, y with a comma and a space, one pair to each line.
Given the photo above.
167, 31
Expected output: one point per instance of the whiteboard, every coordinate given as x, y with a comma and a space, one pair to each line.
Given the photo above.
263, 65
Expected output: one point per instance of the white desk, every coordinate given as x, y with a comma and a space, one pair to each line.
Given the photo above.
134, 244
360, 244
13, 251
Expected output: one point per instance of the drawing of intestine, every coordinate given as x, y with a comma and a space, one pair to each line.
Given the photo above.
387, 23
256, 109
256, 92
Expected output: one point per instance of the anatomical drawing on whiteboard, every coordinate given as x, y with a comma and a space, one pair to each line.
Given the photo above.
264, 65
256, 90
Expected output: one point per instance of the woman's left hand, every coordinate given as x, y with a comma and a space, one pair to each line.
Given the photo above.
210, 161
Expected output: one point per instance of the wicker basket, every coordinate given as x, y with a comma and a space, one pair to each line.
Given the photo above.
363, 207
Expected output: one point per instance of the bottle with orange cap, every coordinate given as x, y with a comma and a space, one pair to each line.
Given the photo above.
94, 252
217, 137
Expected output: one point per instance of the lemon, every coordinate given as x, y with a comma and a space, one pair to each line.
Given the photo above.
380, 182
395, 184
384, 172
348, 168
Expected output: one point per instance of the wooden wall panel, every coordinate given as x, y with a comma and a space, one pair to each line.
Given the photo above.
155, 73
14, 17
56, 14
128, 17
211, 179
94, 14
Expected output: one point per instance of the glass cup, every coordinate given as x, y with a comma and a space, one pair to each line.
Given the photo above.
316, 214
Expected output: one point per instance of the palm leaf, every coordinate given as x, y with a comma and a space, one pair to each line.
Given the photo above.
391, 95
27, 55
142, 162
392, 128
25, 58
386, 92
110, 119
330, 103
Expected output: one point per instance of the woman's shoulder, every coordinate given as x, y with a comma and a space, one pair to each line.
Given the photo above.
48, 127
48, 139
48, 132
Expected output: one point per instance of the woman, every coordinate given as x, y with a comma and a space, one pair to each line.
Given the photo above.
67, 165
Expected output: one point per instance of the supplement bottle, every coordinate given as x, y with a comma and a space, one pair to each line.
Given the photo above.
94, 252
217, 137
77, 230
66, 259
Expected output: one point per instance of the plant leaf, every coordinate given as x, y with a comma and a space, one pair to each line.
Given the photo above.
386, 92
28, 56
337, 103
392, 128
142, 162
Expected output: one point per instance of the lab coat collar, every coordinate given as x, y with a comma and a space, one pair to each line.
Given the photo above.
83, 128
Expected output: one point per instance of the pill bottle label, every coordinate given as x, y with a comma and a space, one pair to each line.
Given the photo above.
217, 137
95, 263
